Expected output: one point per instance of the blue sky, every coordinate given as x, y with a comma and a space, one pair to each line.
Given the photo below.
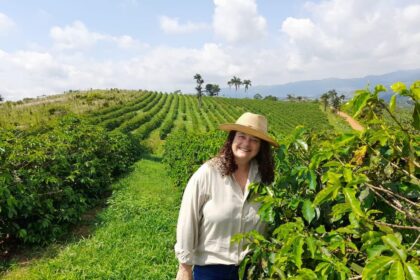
48, 47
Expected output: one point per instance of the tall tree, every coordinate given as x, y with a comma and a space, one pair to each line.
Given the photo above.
199, 88
1, 98
230, 84
324, 99
212, 89
246, 83
235, 81
334, 99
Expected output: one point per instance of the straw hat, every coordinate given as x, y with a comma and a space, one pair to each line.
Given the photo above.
252, 124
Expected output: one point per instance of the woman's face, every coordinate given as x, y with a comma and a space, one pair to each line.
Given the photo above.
245, 147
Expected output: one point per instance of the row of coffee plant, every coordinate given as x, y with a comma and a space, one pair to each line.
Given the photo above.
49, 179
148, 112
35, 112
285, 115
184, 153
343, 206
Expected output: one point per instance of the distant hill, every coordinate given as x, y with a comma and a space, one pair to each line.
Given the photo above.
315, 88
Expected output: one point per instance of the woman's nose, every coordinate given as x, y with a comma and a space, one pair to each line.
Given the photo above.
247, 140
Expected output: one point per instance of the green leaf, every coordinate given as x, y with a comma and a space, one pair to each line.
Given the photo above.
22, 233
375, 251
395, 246
371, 238
242, 268
350, 196
306, 274
416, 116
396, 272
375, 266
392, 103
297, 251
357, 268
379, 88
311, 245
320, 229
359, 101
415, 89
313, 183
339, 210
412, 271
398, 87
325, 194
348, 174
308, 211
324, 268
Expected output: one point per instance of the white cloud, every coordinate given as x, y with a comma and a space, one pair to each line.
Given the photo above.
77, 37
298, 28
238, 21
353, 37
6, 23
332, 38
172, 26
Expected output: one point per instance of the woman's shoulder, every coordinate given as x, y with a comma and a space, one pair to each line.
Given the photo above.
210, 167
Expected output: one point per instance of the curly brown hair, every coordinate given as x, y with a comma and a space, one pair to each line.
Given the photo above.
264, 159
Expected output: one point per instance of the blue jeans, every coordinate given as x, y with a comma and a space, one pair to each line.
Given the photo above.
215, 272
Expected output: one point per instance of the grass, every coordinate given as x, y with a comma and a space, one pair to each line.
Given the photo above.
33, 112
339, 124
133, 238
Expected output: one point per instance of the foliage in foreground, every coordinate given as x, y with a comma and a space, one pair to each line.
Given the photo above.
133, 238
49, 179
344, 205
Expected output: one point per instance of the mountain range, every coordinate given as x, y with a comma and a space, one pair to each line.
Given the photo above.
315, 88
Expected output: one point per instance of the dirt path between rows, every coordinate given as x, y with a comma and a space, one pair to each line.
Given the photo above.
353, 123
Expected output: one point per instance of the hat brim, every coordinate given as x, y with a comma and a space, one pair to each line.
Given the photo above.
248, 130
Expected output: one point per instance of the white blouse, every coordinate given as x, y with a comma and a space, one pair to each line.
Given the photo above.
214, 209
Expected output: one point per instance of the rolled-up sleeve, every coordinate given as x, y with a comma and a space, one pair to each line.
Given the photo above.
188, 220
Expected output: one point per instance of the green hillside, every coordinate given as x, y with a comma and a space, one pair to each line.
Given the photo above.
141, 112
60, 153
343, 204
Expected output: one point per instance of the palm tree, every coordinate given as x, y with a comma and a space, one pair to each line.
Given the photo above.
236, 82
200, 81
230, 84
246, 83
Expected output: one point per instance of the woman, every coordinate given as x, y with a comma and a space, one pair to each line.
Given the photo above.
215, 207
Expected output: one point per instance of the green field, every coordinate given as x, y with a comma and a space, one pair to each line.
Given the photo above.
150, 117
64, 155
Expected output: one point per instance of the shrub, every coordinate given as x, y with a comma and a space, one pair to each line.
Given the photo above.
49, 179
343, 205
184, 153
